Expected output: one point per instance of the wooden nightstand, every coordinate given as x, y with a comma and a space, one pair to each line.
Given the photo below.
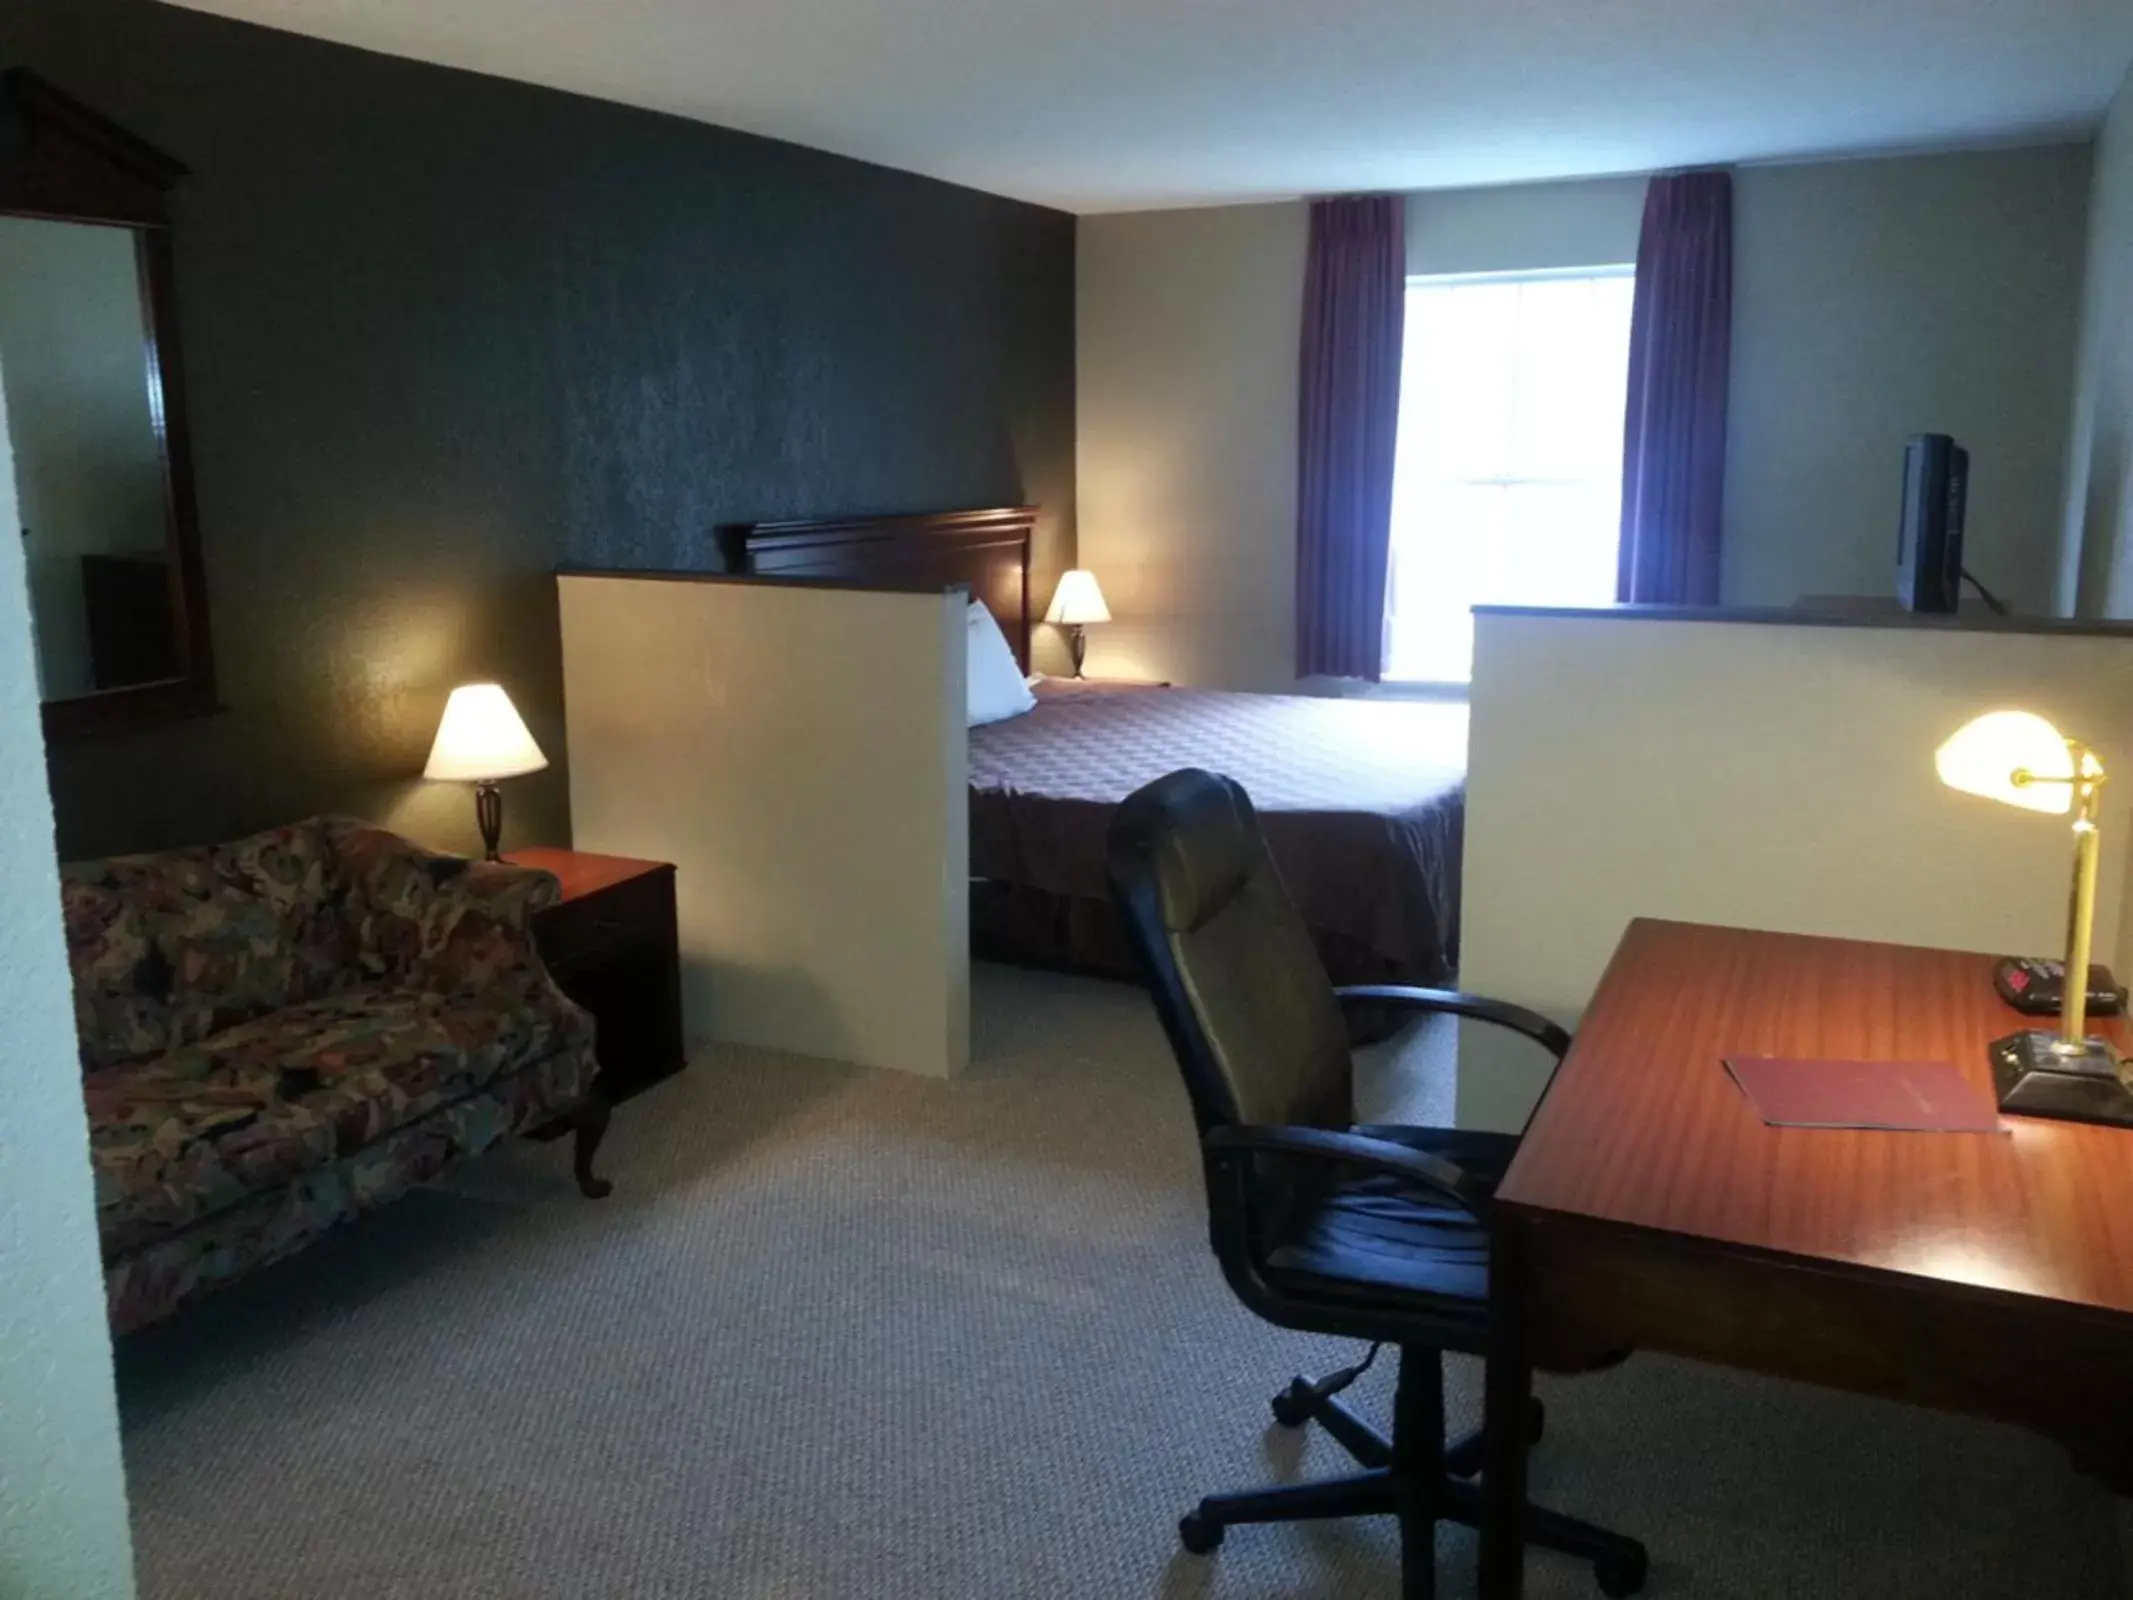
611, 944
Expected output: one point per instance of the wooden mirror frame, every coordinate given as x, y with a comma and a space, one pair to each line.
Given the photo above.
62, 162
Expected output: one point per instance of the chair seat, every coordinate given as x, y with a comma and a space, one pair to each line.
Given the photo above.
184, 1135
1373, 1239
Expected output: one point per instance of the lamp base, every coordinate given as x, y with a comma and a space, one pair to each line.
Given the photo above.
2040, 1075
489, 817
1078, 644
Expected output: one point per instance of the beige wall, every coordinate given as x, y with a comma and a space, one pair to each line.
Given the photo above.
2096, 567
1878, 299
1532, 227
1762, 775
1186, 425
799, 754
62, 1491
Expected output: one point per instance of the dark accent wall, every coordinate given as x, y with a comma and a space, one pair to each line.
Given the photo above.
444, 332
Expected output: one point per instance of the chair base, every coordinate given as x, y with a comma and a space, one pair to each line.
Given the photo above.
1414, 1476
1313, 1400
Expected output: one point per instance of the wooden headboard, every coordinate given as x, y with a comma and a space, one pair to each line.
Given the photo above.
985, 551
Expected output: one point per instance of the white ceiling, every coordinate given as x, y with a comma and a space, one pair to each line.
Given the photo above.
1104, 105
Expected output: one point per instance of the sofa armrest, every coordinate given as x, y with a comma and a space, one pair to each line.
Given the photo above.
509, 894
442, 921
478, 927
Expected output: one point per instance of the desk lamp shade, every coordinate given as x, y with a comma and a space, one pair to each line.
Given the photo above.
2014, 757
1077, 602
2019, 759
481, 740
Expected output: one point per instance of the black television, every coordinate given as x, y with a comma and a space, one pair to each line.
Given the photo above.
1929, 544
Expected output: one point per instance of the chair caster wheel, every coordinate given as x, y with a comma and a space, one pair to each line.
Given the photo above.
1536, 1423
1620, 1576
1199, 1536
1292, 1407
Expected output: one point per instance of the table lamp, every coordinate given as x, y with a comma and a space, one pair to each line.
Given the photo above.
480, 740
1076, 603
2019, 759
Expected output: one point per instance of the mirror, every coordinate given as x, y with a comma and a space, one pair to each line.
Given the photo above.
95, 418
83, 417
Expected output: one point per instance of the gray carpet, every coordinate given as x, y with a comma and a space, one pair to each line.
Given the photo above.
843, 1333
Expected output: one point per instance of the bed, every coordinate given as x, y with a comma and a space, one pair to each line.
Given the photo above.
1362, 801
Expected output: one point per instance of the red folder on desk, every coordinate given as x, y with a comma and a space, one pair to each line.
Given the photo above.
1895, 1096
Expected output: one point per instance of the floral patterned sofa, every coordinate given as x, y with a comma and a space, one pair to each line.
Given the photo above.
281, 1033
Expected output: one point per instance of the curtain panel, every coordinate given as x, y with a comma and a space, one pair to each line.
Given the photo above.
1674, 429
1354, 314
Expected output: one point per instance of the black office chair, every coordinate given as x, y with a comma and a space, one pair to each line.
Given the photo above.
1374, 1233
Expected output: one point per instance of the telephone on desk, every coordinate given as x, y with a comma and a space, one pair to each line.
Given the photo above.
2038, 988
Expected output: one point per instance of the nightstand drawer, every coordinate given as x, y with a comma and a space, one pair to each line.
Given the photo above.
589, 929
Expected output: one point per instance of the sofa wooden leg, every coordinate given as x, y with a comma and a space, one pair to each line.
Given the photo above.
589, 1128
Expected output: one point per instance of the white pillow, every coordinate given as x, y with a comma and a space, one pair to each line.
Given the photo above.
995, 685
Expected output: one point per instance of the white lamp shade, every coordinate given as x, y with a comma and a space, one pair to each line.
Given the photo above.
482, 737
1985, 756
1078, 600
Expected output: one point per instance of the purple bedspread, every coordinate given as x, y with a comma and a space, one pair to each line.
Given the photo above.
1362, 802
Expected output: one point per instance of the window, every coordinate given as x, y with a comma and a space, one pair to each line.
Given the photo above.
1508, 483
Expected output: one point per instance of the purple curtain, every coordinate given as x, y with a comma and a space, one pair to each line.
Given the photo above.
1674, 433
1354, 315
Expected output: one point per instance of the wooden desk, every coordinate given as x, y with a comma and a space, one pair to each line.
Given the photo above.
1649, 1208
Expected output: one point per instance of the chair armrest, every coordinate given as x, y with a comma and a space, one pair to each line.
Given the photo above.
1430, 1172
1551, 1038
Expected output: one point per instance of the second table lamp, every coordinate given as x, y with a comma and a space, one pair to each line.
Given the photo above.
481, 739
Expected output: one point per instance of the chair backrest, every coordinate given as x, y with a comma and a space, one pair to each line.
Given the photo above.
1249, 1010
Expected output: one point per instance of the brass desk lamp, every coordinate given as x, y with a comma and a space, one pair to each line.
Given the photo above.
2019, 759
